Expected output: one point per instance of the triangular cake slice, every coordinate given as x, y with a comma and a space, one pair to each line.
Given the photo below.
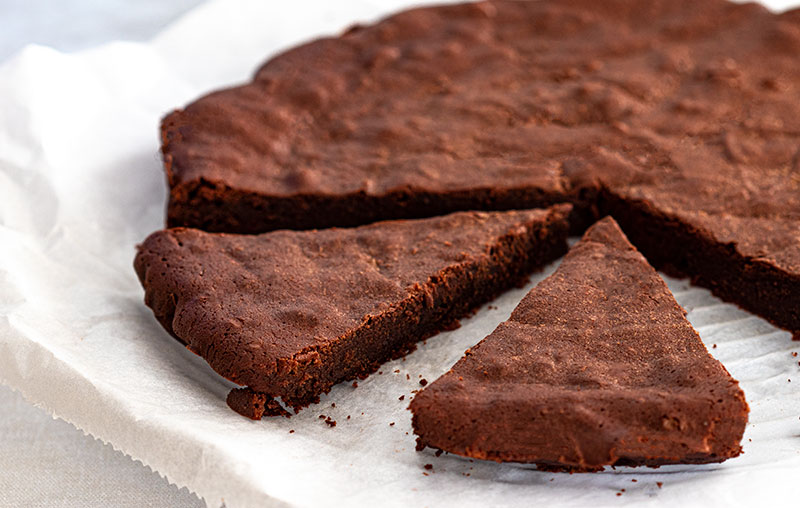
291, 313
596, 367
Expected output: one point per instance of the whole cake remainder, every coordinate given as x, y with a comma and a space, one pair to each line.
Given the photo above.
680, 118
291, 313
596, 367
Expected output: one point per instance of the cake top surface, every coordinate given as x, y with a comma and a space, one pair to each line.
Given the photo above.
603, 321
692, 106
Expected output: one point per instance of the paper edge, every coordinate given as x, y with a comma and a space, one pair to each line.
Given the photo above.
96, 439
205, 485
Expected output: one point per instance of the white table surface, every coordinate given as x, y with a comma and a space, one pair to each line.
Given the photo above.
46, 462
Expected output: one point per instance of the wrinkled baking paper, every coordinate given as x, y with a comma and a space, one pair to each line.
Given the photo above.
81, 183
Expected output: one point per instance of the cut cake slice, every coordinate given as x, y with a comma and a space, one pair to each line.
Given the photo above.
596, 367
291, 313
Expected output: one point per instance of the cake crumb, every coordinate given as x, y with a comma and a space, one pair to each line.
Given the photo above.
348, 417
355, 384
423, 381
424, 473
659, 484
322, 417
397, 371
794, 354
331, 422
714, 346
408, 377
428, 466
438, 453
634, 480
291, 431
619, 493
401, 397
380, 372
391, 424
333, 404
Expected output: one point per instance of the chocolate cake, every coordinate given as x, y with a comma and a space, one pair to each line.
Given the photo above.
288, 314
681, 118
596, 367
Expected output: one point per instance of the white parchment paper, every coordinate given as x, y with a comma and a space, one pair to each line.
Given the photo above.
81, 183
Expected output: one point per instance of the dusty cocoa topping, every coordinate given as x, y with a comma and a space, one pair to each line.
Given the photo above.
681, 118
597, 366
291, 313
